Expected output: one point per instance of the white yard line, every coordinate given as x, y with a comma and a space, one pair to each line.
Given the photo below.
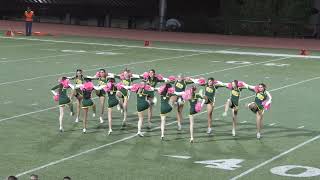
237, 67
95, 69
275, 158
267, 54
169, 49
108, 44
41, 57
134, 135
60, 55
26, 45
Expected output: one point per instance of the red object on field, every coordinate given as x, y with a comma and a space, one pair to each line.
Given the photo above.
304, 52
10, 33
147, 43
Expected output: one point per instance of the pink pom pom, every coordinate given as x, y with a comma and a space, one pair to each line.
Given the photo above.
229, 86
161, 89
240, 84
65, 83
172, 78
108, 87
171, 90
135, 87
87, 86
266, 105
56, 97
119, 86
145, 75
202, 81
198, 107
147, 88
159, 77
122, 76
98, 74
187, 94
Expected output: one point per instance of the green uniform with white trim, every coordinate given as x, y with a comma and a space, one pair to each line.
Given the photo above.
112, 98
101, 81
210, 92
78, 81
235, 97
165, 107
260, 97
181, 86
153, 83
87, 101
193, 101
142, 103
63, 96
126, 82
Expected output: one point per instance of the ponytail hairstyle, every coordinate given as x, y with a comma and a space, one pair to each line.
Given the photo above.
165, 90
236, 83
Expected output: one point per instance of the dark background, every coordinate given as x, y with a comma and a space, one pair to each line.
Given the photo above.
248, 17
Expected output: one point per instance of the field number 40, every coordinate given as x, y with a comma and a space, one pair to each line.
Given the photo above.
287, 170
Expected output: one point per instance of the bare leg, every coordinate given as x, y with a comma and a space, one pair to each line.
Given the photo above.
234, 120
150, 115
209, 111
226, 108
61, 109
85, 119
259, 116
191, 128
78, 101
110, 120
94, 109
162, 126
125, 109
179, 116
140, 122
102, 102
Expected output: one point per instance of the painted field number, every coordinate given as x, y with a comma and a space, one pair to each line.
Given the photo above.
285, 171
226, 164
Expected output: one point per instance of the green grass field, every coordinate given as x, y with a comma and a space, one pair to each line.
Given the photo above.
31, 143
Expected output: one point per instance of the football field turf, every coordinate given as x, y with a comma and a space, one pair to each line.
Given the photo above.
31, 143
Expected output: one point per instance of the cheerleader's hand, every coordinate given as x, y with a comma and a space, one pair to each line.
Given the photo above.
166, 79
54, 93
136, 76
71, 86
194, 80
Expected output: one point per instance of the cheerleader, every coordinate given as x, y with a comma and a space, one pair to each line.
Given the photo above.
180, 85
87, 102
78, 80
210, 88
196, 101
233, 102
152, 79
165, 92
111, 89
60, 94
126, 78
261, 102
102, 77
142, 90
